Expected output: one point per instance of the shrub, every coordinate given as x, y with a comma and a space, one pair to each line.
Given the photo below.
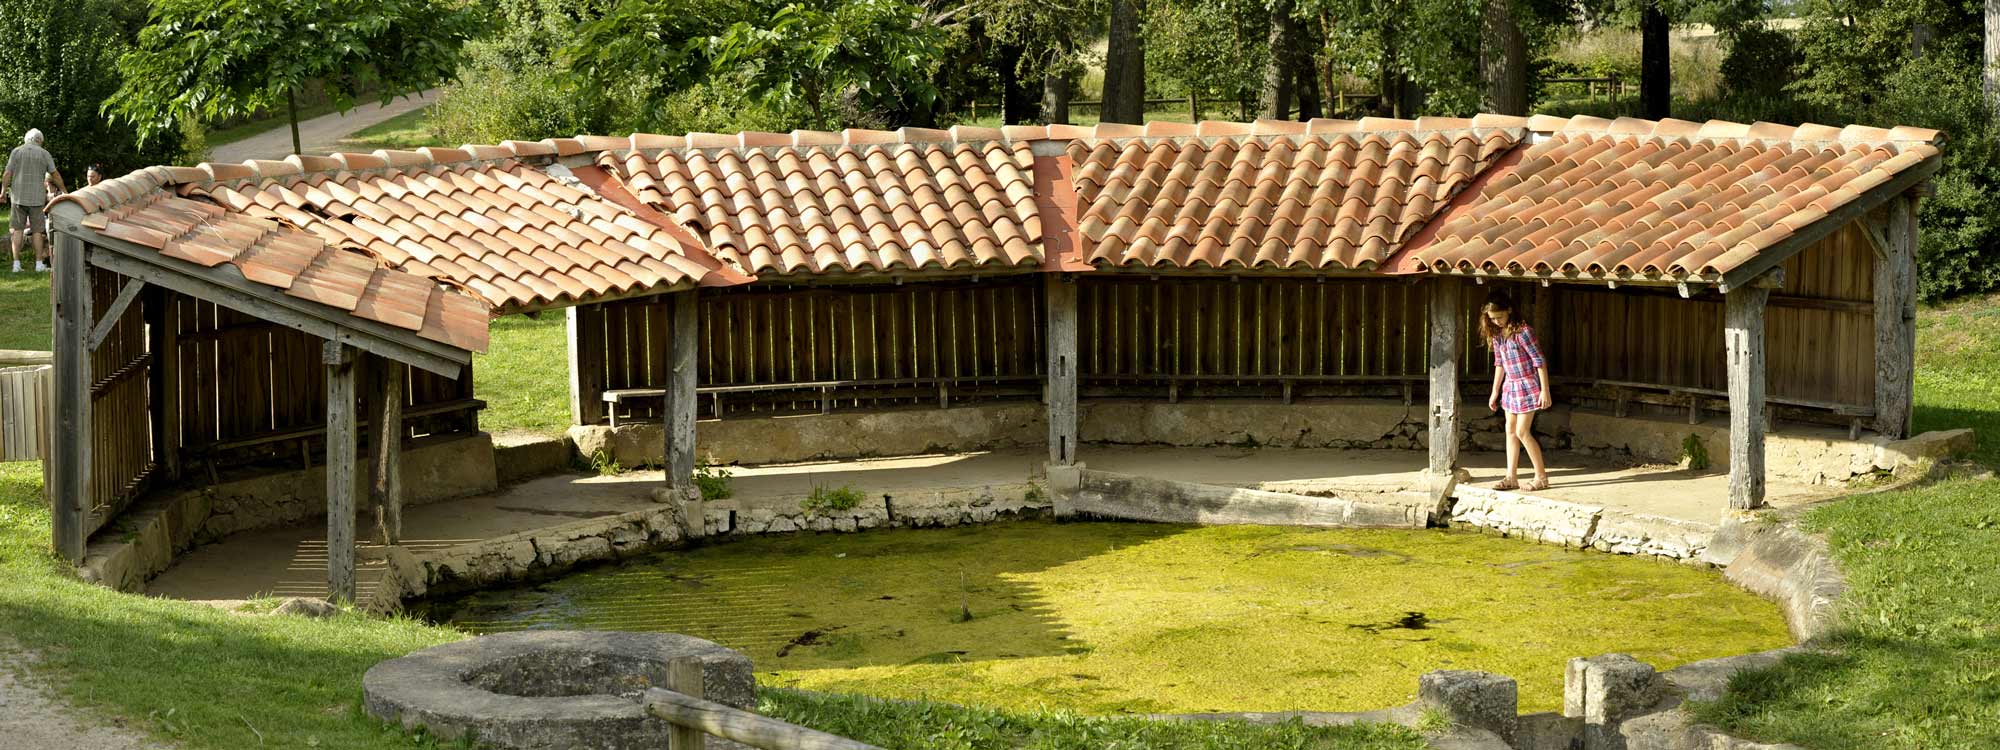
824, 500
713, 479
1760, 62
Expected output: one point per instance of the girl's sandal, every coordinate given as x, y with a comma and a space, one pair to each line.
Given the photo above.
1537, 485
1507, 484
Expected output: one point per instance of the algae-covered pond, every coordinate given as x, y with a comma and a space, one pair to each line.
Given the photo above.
1107, 618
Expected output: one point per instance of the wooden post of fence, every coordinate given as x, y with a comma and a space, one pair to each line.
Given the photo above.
69, 472
1194, 107
1060, 297
1895, 314
1743, 334
684, 676
386, 491
341, 434
682, 405
1447, 337
164, 376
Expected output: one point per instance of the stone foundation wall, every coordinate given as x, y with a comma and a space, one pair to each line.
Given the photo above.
433, 470
1105, 494
1579, 526
941, 507
1344, 423
815, 437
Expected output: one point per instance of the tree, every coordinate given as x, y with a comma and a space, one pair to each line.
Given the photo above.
202, 61
1992, 54
809, 55
58, 61
1281, 67
1124, 98
1215, 49
1503, 59
1046, 33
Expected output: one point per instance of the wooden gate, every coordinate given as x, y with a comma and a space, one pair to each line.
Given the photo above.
24, 412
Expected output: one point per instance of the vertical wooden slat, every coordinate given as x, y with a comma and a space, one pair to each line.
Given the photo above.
69, 472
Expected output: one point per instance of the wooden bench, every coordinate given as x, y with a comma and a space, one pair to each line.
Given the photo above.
1856, 416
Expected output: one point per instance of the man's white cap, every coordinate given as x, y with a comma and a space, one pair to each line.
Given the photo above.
34, 136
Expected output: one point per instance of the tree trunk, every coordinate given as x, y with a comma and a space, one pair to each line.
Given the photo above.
1282, 62
1055, 99
1018, 100
1503, 60
1125, 65
1656, 85
1307, 84
292, 112
1993, 55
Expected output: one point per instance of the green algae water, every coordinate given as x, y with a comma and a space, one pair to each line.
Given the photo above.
1105, 618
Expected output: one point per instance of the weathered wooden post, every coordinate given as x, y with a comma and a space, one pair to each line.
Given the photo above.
1743, 335
1062, 408
386, 491
163, 374
684, 676
1895, 313
586, 363
341, 436
69, 472
682, 403
1447, 337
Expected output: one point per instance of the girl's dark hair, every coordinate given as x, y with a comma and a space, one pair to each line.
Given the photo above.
1498, 301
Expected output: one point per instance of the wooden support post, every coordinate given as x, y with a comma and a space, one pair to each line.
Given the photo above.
385, 492
1743, 334
682, 405
586, 356
1896, 317
69, 472
1061, 296
1542, 315
341, 435
684, 676
1447, 337
163, 341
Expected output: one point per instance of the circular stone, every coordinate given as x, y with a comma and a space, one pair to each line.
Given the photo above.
549, 688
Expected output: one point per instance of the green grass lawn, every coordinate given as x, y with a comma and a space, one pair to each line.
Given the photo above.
405, 131
239, 132
24, 305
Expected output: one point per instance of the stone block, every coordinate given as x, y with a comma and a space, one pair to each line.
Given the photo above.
1933, 446
1475, 699
1626, 533
1332, 423
312, 609
519, 457
1605, 691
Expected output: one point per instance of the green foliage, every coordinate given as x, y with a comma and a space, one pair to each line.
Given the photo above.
1694, 453
58, 61
604, 465
714, 479
1215, 48
202, 61
824, 500
938, 726
808, 55
1761, 62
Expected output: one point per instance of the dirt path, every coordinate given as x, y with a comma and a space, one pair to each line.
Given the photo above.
320, 134
32, 718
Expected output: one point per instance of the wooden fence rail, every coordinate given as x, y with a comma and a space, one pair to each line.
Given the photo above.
694, 718
24, 412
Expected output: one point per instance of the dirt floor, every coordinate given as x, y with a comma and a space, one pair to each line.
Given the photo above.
32, 718
291, 561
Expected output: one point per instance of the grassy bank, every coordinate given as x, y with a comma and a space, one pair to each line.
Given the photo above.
405, 131
1916, 661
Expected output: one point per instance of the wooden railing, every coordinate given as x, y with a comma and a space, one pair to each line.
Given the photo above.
695, 719
1612, 86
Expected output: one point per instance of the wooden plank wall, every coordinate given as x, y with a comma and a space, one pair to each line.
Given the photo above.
1820, 330
984, 335
121, 454
26, 396
242, 379
1135, 329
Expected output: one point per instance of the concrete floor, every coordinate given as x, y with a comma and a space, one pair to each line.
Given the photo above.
291, 561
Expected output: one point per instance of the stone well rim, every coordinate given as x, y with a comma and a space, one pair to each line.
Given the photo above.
434, 682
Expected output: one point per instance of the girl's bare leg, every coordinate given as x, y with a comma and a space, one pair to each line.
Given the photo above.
1513, 455
1524, 432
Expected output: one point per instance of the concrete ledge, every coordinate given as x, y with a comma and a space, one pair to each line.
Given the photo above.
540, 552
941, 506
815, 437
433, 470
1580, 526
1109, 495
521, 457
1327, 423
1784, 564
143, 541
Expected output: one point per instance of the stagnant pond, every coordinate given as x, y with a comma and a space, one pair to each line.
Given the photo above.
1109, 617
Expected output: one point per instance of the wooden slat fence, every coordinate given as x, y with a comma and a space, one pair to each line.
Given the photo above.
253, 390
24, 412
765, 350
121, 454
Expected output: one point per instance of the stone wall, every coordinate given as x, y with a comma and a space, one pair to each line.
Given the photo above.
1802, 453
1579, 526
1343, 423
520, 457
434, 469
1105, 494
814, 437
949, 506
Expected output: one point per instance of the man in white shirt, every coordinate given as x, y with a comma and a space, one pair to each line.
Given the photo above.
25, 182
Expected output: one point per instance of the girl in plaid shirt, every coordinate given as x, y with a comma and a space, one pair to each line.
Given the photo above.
1520, 385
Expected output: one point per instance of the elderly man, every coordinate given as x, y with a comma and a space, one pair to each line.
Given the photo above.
25, 181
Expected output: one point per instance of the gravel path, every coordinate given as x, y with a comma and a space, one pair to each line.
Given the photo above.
32, 718
318, 135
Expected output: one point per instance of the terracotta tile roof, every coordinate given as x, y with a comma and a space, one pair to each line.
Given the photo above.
277, 255
847, 204
514, 234
1329, 197
1671, 200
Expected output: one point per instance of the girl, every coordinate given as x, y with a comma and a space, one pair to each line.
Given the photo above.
1520, 385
